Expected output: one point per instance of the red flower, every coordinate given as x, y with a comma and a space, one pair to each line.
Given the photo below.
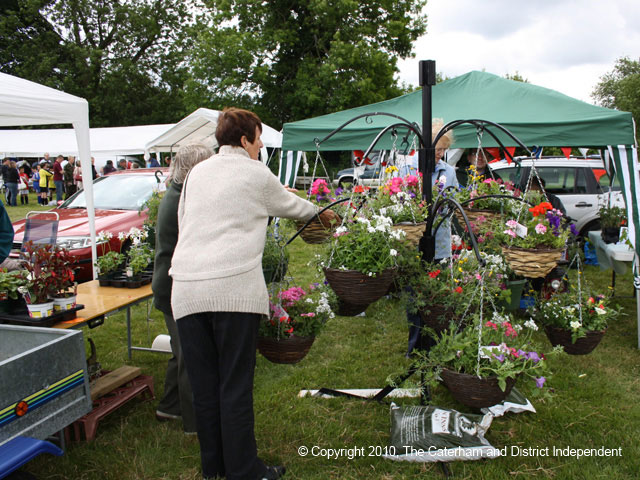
458, 290
434, 274
290, 330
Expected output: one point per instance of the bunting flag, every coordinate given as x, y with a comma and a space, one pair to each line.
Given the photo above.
289, 164
566, 151
511, 151
625, 159
494, 152
607, 160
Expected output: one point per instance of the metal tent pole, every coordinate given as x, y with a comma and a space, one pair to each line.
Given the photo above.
427, 154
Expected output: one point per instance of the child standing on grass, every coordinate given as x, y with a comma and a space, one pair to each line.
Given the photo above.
23, 187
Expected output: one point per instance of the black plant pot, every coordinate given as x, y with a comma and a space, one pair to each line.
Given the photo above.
611, 234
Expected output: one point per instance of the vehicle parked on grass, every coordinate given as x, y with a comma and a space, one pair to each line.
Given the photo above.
581, 184
118, 199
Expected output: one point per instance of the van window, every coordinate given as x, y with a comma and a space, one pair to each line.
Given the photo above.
563, 180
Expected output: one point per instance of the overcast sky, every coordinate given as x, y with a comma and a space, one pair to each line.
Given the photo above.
566, 45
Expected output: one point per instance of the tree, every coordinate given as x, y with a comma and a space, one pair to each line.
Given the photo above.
516, 77
620, 88
126, 57
293, 59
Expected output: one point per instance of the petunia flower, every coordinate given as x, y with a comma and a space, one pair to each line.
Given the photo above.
540, 382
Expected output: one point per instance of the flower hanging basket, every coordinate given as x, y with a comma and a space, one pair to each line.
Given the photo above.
473, 214
583, 345
414, 231
285, 350
317, 232
473, 391
437, 317
356, 288
346, 309
532, 263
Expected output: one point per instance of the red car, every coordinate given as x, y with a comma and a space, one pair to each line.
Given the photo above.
118, 199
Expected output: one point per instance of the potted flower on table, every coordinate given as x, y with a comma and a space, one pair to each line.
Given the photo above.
578, 323
297, 316
611, 219
10, 297
481, 363
42, 283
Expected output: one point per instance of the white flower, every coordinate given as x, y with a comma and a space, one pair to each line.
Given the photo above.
122, 236
456, 241
370, 274
600, 311
575, 324
531, 324
393, 252
371, 229
341, 229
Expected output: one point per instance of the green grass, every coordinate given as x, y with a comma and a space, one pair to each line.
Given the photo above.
20, 211
595, 404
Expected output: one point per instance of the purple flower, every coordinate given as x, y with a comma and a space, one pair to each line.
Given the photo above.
574, 230
500, 358
540, 382
339, 191
522, 353
533, 356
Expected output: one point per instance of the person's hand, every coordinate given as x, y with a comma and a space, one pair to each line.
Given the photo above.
290, 189
329, 217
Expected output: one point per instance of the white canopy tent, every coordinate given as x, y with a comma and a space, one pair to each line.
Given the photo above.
61, 141
200, 126
27, 103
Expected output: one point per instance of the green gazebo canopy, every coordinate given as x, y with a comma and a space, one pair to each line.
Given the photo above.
536, 115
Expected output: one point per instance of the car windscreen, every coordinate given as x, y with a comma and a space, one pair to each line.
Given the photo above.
117, 192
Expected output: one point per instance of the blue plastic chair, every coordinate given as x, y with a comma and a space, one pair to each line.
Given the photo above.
15, 453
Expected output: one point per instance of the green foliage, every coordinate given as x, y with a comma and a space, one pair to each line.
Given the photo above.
139, 257
612, 216
11, 281
303, 58
620, 88
507, 352
580, 314
109, 262
123, 57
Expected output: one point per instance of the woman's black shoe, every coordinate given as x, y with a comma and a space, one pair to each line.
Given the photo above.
273, 473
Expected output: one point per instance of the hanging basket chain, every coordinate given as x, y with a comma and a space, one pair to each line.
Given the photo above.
480, 321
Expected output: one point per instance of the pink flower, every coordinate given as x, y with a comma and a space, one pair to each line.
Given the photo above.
412, 180
510, 232
540, 228
512, 224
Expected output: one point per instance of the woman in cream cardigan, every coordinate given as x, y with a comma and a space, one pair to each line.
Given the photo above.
219, 292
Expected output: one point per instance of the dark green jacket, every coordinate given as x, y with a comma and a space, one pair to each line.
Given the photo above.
166, 239
6, 234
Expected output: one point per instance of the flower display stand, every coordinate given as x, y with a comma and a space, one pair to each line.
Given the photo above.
475, 392
583, 345
285, 350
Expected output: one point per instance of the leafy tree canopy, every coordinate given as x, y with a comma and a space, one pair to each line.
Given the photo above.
620, 88
293, 59
124, 56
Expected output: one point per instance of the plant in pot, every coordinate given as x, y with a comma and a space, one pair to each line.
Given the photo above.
139, 257
317, 232
576, 322
10, 298
481, 363
42, 284
275, 257
533, 246
611, 219
151, 206
108, 264
400, 199
66, 287
361, 262
297, 316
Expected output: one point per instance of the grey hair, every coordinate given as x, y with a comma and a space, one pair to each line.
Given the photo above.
187, 157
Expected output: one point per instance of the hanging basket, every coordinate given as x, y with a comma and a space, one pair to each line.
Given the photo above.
475, 392
473, 214
275, 271
610, 234
285, 350
583, 346
414, 231
317, 232
357, 288
437, 317
532, 263
346, 309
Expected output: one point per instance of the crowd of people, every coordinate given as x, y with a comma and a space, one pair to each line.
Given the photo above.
52, 179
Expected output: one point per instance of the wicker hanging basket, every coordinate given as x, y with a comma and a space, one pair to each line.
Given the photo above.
414, 231
473, 214
346, 309
475, 392
356, 288
583, 346
285, 350
532, 263
317, 232
437, 317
